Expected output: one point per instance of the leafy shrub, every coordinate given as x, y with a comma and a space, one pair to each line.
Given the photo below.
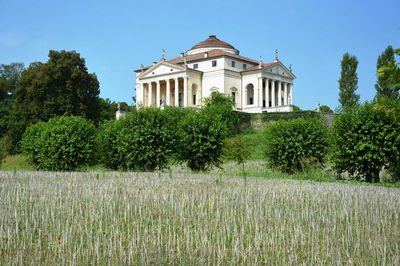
203, 138
63, 143
141, 140
275, 116
296, 144
31, 141
366, 139
219, 104
3, 149
175, 116
108, 144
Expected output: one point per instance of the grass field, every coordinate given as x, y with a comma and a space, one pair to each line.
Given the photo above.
181, 218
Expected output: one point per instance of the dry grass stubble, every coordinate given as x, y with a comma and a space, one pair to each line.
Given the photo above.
115, 218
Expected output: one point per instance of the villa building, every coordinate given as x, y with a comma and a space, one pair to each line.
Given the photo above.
214, 65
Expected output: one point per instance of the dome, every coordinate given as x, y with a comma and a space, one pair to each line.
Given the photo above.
212, 43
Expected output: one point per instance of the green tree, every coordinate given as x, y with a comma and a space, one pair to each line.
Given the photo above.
325, 109
384, 84
9, 77
60, 86
108, 109
348, 82
221, 104
389, 73
366, 139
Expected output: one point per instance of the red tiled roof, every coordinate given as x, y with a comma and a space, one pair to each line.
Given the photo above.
212, 41
212, 54
264, 65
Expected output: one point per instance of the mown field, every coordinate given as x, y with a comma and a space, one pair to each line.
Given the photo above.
180, 218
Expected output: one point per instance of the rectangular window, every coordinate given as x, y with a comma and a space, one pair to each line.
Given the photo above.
251, 100
195, 66
244, 66
194, 99
233, 63
233, 97
214, 63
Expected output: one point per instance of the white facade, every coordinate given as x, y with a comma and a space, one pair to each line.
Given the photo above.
214, 65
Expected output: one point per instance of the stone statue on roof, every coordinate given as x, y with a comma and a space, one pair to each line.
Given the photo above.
276, 54
163, 55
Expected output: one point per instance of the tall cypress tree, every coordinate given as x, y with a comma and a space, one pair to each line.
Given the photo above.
384, 84
348, 82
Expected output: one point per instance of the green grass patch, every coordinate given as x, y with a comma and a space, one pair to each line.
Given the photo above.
17, 162
255, 140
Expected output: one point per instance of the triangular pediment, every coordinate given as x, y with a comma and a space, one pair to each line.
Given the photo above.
161, 68
280, 69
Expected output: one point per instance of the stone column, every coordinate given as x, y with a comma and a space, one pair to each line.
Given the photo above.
176, 92
279, 93
259, 92
185, 91
243, 97
158, 94
285, 102
291, 93
168, 93
266, 92
273, 92
150, 95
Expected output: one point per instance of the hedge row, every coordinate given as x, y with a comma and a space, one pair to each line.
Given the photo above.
265, 117
364, 140
146, 139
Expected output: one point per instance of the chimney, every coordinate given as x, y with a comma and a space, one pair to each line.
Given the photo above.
182, 54
205, 54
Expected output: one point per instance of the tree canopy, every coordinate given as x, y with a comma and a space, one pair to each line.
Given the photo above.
60, 86
348, 82
325, 109
389, 74
9, 77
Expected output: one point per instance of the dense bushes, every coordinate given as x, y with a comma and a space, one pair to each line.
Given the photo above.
203, 138
108, 144
3, 150
221, 105
265, 117
366, 139
293, 145
63, 143
143, 140
151, 138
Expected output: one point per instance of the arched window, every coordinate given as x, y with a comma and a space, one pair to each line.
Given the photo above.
250, 94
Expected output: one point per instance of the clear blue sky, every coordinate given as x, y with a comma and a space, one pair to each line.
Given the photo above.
115, 37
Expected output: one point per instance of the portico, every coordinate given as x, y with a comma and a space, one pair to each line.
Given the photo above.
172, 90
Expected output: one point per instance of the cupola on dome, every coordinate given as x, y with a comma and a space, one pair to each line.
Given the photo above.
212, 43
